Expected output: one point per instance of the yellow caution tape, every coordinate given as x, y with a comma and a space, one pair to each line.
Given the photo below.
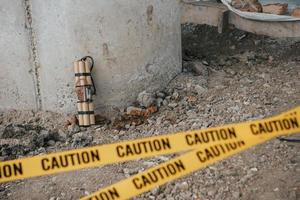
249, 134
227, 139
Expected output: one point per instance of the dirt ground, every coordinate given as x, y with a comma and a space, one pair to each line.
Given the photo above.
230, 77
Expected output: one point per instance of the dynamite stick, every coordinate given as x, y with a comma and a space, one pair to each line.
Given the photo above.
77, 85
83, 98
92, 114
88, 72
90, 83
80, 116
76, 71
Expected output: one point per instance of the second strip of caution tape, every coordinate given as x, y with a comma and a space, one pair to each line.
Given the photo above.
248, 133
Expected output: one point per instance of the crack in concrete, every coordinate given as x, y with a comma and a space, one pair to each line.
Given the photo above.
34, 54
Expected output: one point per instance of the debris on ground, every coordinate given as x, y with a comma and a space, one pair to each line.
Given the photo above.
145, 99
134, 111
249, 77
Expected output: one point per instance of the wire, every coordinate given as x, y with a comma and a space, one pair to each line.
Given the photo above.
288, 140
91, 58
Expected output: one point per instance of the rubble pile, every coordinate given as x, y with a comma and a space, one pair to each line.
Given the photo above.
256, 6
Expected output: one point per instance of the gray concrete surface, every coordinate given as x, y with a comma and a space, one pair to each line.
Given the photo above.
136, 46
17, 88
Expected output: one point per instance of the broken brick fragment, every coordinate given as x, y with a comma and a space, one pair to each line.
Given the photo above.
247, 5
276, 8
134, 111
192, 99
152, 109
296, 12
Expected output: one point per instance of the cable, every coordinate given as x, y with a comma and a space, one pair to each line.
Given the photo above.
91, 58
288, 140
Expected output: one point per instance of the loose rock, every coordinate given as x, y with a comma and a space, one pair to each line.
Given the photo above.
145, 99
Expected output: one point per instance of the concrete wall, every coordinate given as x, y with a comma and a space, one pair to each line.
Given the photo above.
136, 46
17, 84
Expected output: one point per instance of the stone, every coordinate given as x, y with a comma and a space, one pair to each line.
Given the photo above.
159, 120
230, 71
161, 95
116, 137
51, 143
73, 128
257, 42
159, 102
62, 135
233, 47
236, 195
122, 132
127, 126
42, 138
200, 89
173, 105
145, 99
81, 139
149, 163
155, 191
131, 110
270, 59
175, 95
204, 62
191, 114
199, 68
126, 171
222, 62
131, 171
212, 192
276, 8
254, 169
165, 102
182, 186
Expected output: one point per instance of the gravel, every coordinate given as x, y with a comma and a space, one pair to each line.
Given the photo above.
241, 83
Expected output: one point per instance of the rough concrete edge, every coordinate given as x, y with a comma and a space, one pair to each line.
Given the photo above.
33, 53
239, 22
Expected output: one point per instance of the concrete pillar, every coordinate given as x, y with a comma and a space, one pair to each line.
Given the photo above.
136, 46
17, 88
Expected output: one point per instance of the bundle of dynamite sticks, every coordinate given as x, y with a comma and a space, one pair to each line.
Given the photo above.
85, 89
